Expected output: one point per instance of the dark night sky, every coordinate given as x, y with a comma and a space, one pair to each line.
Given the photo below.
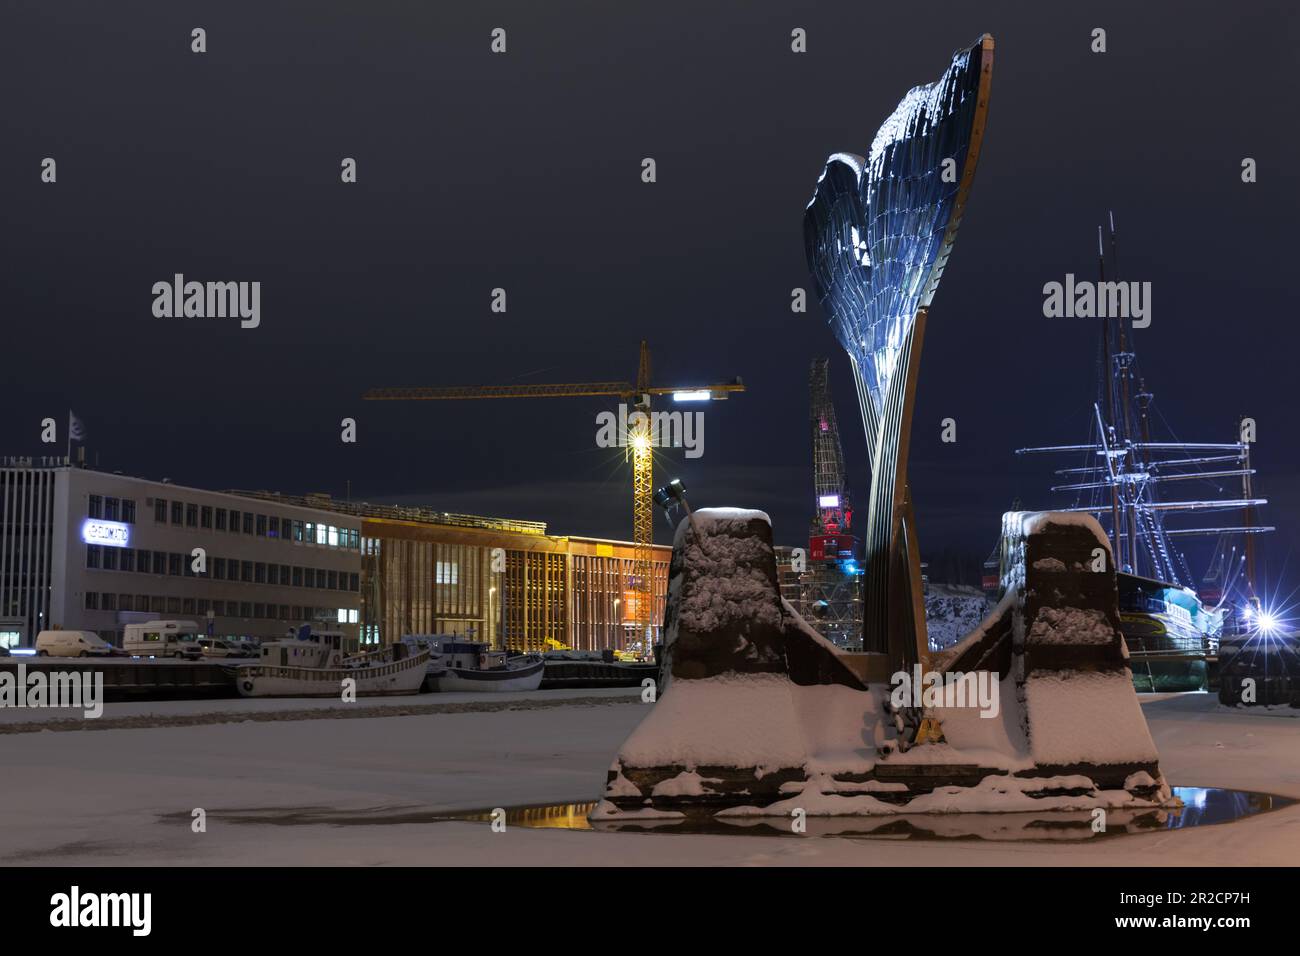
523, 171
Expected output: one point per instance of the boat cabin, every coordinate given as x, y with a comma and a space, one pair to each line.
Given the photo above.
309, 648
452, 650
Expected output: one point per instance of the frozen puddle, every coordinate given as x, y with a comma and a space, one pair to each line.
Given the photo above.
1201, 807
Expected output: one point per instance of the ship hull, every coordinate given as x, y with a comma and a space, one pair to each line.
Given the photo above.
399, 677
458, 679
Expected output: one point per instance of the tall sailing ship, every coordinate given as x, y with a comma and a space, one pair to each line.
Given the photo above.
1129, 477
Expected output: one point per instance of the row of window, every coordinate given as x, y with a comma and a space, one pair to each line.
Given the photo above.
111, 509
189, 515
156, 604
219, 569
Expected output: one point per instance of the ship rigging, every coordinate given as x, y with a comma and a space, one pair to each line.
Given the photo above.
1124, 471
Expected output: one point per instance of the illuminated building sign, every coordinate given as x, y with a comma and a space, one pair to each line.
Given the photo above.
831, 547
112, 534
828, 501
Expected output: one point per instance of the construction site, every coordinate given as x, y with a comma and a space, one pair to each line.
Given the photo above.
823, 581
503, 581
633, 587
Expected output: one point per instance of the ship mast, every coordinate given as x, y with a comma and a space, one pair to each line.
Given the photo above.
1105, 426
1134, 465
1122, 372
1248, 523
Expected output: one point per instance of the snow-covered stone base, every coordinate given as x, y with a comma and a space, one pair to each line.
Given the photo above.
760, 716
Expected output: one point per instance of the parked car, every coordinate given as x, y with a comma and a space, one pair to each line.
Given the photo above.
219, 647
71, 644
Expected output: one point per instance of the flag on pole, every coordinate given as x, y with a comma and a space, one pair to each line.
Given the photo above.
76, 430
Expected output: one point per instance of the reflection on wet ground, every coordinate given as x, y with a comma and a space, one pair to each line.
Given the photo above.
1202, 806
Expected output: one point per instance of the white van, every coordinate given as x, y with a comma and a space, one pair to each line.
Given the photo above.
71, 644
163, 639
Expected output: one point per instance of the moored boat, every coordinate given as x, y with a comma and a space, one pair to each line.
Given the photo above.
313, 665
456, 664
1171, 631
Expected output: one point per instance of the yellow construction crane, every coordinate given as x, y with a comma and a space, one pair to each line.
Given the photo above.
639, 448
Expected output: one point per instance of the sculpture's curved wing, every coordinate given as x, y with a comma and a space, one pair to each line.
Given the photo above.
878, 230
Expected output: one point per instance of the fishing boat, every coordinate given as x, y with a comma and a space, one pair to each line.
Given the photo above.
570, 668
459, 664
312, 664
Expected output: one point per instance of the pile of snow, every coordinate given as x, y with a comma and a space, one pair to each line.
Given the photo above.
952, 612
725, 581
994, 794
688, 783
1071, 625
941, 660
1036, 522
607, 811
989, 741
1086, 717
757, 720
711, 521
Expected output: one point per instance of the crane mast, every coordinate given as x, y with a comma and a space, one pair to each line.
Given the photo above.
639, 450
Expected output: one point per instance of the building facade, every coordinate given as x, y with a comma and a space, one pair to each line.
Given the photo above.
499, 580
87, 550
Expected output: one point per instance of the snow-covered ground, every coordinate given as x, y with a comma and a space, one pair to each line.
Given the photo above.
951, 612
233, 710
316, 791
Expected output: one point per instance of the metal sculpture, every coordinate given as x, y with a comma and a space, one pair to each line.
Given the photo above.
878, 232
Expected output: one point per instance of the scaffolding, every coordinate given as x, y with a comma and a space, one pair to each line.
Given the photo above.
831, 587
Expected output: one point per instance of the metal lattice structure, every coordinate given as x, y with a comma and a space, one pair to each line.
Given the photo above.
878, 232
640, 450
834, 503
830, 594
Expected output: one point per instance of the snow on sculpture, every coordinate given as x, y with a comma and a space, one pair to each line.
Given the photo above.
759, 715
